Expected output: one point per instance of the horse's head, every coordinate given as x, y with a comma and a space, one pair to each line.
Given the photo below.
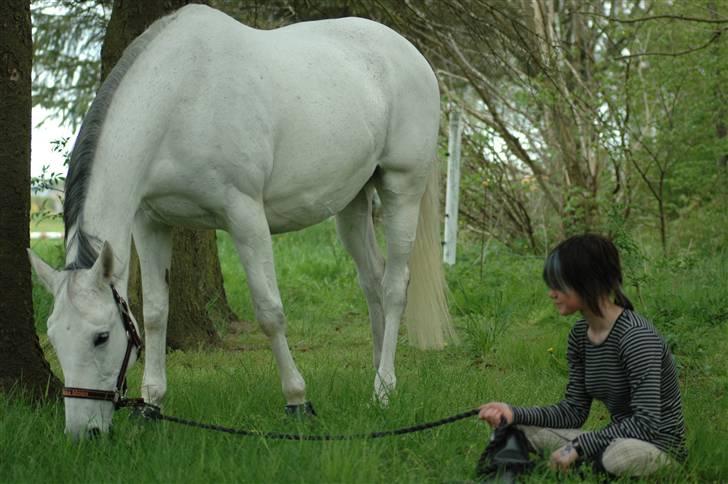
89, 338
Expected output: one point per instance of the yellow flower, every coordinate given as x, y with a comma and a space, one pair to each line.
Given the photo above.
550, 350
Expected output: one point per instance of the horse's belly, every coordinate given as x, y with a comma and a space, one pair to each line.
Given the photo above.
179, 211
308, 205
291, 220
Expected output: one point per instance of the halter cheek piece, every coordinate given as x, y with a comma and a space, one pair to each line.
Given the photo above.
118, 394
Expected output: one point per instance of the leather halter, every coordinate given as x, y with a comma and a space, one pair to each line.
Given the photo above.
118, 394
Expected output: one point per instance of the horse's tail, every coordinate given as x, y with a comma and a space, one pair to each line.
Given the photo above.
427, 316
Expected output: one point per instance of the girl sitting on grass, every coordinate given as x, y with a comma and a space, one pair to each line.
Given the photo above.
615, 356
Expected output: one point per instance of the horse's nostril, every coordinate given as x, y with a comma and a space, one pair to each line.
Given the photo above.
93, 432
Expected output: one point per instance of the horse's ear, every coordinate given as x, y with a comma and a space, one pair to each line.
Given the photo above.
50, 277
103, 268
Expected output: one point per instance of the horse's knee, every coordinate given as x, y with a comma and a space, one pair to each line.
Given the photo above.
371, 286
155, 316
395, 288
397, 279
272, 319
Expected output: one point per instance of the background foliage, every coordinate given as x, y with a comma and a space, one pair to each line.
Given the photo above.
572, 108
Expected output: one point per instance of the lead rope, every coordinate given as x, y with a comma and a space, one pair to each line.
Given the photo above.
152, 412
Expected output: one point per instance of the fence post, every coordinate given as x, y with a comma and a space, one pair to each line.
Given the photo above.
452, 196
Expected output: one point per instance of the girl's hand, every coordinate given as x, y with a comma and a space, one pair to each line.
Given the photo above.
563, 457
493, 412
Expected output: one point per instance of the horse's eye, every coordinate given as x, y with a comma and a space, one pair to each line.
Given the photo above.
101, 338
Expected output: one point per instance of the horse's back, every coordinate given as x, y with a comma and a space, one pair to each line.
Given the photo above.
312, 71
299, 117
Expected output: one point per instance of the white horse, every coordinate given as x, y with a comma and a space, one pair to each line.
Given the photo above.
208, 123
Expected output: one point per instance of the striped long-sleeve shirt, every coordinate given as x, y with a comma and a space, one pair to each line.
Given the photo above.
632, 371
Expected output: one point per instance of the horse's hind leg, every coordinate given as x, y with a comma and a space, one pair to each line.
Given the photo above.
356, 231
401, 193
249, 229
154, 245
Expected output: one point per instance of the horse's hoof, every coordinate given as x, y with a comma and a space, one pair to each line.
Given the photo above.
147, 413
380, 400
303, 410
383, 389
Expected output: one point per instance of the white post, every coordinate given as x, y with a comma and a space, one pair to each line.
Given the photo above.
452, 195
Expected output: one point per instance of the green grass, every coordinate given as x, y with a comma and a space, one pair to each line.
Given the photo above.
47, 224
513, 349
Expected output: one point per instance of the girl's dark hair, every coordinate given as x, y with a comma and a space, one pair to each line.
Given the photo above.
589, 265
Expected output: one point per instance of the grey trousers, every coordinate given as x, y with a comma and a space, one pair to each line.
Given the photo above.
623, 457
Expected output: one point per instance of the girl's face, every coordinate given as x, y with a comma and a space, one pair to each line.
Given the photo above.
567, 302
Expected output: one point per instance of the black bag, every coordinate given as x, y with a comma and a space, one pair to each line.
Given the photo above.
505, 456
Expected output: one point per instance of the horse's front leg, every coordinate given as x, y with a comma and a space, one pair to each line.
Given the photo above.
249, 229
154, 246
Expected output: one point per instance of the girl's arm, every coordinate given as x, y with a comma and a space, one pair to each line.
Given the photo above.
573, 410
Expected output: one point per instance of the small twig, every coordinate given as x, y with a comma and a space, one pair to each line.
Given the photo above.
657, 17
712, 39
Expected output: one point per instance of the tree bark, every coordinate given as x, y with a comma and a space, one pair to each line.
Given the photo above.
197, 296
22, 364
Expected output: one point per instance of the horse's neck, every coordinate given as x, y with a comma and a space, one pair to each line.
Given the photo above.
111, 202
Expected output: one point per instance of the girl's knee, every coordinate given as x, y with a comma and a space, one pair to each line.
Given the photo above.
632, 457
544, 439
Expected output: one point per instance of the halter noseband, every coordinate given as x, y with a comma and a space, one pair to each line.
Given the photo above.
118, 394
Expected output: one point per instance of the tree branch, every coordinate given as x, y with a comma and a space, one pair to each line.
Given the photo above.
657, 17
713, 38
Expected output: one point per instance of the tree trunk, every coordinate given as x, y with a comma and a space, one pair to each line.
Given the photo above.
22, 364
197, 296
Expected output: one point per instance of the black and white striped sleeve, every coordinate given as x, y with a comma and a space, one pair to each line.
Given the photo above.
573, 410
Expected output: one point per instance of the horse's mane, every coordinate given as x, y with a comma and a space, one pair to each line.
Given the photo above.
84, 150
